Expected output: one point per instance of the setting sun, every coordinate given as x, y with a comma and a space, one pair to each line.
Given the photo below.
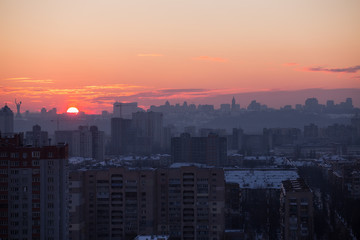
73, 110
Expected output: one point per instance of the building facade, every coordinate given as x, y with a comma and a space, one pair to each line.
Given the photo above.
125, 110
84, 142
184, 202
296, 210
6, 122
210, 150
36, 137
33, 191
191, 203
143, 134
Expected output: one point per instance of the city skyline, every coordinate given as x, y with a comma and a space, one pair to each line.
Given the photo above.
91, 54
271, 99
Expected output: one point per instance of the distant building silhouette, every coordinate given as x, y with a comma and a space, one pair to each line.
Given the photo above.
122, 136
206, 108
6, 122
275, 137
225, 107
312, 105
149, 129
97, 141
125, 110
254, 106
36, 137
311, 131
143, 134
234, 107
237, 139
83, 142
210, 150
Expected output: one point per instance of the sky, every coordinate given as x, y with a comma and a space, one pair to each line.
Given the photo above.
91, 53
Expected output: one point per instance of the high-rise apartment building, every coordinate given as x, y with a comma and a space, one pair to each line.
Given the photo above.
122, 136
6, 122
84, 142
143, 134
185, 202
191, 202
210, 150
125, 110
149, 126
97, 143
118, 203
36, 137
33, 191
76, 205
296, 210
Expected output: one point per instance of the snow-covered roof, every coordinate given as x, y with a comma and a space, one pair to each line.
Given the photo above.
260, 178
185, 164
333, 158
152, 237
77, 160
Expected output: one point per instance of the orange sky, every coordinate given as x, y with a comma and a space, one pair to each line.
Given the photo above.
90, 53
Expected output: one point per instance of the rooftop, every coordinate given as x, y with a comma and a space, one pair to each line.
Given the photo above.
260, 178
295, 185
152, 237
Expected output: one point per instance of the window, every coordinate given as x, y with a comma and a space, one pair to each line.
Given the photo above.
14, 163
14, 197
36, 163
35, 154
36, 179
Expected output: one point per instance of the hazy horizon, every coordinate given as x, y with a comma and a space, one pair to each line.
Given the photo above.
273, 99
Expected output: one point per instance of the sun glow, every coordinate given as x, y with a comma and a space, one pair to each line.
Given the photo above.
73, 110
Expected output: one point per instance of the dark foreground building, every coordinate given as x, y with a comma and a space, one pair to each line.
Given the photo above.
296, 210
184, 202
33, 191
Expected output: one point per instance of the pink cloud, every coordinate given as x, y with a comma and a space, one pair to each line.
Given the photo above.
353, 69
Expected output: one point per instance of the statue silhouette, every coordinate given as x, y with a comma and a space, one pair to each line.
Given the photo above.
18, 104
